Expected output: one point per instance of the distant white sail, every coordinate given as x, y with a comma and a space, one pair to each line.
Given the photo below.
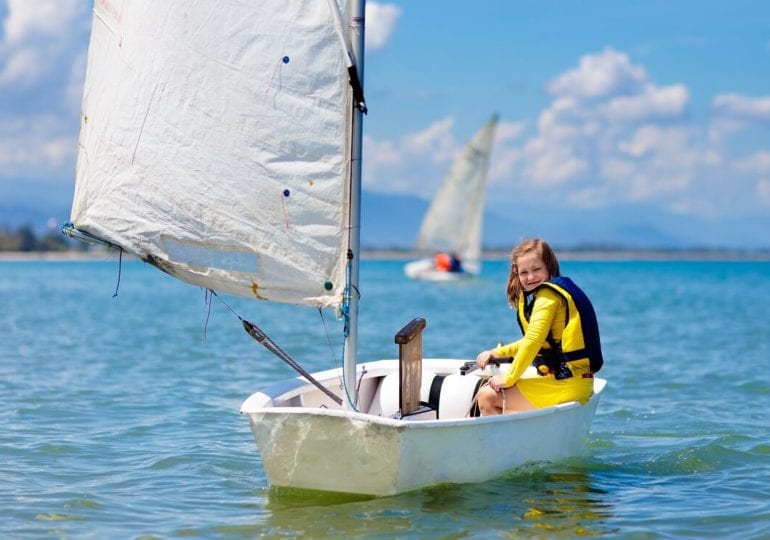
454, 220
214, 143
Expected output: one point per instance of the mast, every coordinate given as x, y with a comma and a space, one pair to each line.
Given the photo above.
357, 26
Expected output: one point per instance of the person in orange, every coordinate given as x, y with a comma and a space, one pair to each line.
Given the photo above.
442, 262
561, 338
447, 262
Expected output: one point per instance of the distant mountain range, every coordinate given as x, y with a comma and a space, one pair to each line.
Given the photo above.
392, 222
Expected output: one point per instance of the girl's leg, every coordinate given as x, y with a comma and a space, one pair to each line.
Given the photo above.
491, 402
515, 401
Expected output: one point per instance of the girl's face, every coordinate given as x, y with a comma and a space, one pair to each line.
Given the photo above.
531, 270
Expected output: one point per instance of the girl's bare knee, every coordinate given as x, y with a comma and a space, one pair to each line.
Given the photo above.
487, 401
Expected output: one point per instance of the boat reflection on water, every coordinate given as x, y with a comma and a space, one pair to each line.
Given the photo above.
557, 500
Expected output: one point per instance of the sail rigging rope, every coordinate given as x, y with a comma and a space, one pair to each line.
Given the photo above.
336, 362
260, 336
207, 301
87, 238
344, 308
120, 271
328, 338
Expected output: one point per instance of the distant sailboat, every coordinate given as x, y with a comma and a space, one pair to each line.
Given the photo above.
450, 234
222, 144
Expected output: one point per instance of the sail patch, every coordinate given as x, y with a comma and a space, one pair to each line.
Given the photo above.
206, 256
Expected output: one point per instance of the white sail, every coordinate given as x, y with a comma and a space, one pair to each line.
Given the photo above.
454, 220
215, 143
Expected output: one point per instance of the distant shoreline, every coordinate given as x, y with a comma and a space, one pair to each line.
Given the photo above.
601, 255
573, 255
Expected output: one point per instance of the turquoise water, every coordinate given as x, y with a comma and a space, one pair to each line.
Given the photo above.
119, 415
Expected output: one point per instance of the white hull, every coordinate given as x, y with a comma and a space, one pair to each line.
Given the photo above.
308, 442
425, 269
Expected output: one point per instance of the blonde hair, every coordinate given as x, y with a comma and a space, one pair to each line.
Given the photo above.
546, 254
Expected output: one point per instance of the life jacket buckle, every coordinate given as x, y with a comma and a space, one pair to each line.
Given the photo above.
562, 372
547, 364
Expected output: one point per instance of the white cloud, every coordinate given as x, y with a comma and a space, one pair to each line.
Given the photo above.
58, 150
601, 75
720, 129
566, 118
381, 154
41, 18
758, 163
650, 139
411, 162
42, 66
434, 143
664, 103
380, 22
733, 114
38, 146
548, 165
504, 157
652, 162
742, 108
740, 118
24, 66
508, 131
39, 36
608, 137
504, 161
418, 162
669, 162
74, 88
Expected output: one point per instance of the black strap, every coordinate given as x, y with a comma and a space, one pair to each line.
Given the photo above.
434, 396
475, 412
358, 89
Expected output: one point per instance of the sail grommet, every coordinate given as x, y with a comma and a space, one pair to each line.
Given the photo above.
328, 285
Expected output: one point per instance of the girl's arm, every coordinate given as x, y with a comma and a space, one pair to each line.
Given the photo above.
543, 312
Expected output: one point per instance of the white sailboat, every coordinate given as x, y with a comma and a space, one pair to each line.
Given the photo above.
450, 233
222, 144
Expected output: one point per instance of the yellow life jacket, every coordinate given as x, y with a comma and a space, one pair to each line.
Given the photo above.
580, 338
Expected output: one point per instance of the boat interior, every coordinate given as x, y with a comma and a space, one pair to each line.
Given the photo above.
405, 389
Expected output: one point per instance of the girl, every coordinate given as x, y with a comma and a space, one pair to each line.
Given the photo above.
561, 338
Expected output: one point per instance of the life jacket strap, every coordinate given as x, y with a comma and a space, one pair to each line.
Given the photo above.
551, 361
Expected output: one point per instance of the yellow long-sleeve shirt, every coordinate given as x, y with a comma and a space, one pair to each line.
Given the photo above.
548, 315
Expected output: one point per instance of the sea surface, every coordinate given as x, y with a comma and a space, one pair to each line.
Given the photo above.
119, 413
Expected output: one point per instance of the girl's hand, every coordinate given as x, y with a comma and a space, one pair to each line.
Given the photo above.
483, 358
496, 383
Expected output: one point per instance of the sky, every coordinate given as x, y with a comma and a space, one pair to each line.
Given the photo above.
656, 107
